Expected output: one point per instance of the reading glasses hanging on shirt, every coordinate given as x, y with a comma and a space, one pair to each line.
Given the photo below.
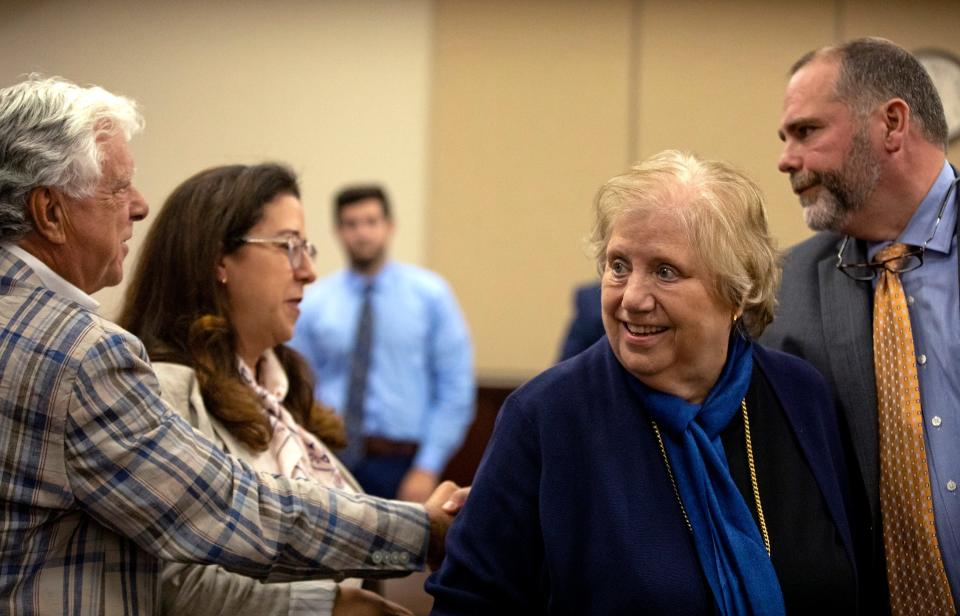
907, 262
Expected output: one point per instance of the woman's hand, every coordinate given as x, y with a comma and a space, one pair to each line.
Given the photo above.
445, 502
358, 602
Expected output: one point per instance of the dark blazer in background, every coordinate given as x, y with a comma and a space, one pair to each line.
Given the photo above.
572, 511
587, 324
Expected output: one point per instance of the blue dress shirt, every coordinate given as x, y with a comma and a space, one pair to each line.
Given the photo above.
420, 383
933, 299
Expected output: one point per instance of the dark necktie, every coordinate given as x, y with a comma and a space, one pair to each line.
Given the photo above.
357, 386
915, 572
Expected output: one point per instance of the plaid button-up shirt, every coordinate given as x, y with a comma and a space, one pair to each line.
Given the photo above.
99, 479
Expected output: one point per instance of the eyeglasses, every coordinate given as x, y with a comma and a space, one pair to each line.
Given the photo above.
296, 247
907, 262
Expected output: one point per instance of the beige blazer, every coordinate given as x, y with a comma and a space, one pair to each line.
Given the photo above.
198, 589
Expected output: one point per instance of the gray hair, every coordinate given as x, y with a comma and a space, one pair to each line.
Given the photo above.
874, 70
723, 214
49, 134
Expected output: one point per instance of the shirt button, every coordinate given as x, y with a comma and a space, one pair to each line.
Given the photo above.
952, 485
936, 421
921, 359
910, 300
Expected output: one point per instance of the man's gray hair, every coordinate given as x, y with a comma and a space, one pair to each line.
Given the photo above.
874, 70
49, 133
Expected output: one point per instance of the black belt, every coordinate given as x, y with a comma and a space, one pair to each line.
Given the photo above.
379, 446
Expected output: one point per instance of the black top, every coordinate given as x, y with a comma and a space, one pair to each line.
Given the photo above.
807, 551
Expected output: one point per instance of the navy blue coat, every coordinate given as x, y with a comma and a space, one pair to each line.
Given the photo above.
572, 511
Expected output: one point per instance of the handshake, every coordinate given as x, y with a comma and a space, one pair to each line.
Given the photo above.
442, 505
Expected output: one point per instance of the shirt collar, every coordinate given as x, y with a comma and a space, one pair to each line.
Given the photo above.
358, 281
268, 373
52, 280
921, 224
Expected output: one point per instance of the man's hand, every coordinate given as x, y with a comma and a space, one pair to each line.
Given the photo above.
442, 505
417, 485
358, 602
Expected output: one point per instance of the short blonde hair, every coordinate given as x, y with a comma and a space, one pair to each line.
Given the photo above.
723, 216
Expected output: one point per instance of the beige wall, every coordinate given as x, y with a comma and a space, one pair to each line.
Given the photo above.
536, 103
493, 123
530, 110
717, 89
338, 89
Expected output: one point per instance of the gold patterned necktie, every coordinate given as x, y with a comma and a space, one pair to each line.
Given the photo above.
918, 582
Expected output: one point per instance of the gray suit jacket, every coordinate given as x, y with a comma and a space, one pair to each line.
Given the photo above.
826, 318
198, 589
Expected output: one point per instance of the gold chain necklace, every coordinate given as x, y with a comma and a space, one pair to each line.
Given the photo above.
750, 463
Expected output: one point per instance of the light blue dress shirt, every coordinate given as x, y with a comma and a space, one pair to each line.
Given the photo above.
420, 383
933, 299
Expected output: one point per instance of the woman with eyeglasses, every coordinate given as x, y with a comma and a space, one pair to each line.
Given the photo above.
214, 298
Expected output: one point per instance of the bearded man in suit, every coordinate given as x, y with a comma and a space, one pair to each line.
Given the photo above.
864, 145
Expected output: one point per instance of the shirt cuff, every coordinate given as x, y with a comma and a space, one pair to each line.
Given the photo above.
430, 459
312, 598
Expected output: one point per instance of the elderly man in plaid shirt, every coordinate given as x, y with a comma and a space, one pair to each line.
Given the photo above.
99, 479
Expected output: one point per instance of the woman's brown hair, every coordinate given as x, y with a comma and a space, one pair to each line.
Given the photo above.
176, 306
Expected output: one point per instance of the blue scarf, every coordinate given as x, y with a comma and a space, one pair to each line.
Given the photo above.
727, 540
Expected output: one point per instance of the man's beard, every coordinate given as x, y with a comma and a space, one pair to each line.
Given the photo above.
842, 193
366, 262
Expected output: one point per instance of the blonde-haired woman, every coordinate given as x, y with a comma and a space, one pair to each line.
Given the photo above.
675, 467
